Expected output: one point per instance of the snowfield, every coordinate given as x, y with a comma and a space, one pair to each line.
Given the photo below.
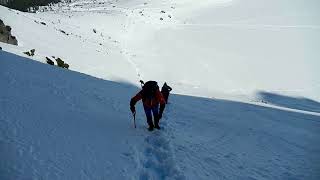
60, 124
246, 102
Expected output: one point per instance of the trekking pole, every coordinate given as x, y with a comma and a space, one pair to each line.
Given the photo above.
134, 119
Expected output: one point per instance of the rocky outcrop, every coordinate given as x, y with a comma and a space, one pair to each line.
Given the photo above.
25, 5
5, 34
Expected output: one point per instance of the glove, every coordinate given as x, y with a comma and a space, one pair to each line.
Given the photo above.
133, 109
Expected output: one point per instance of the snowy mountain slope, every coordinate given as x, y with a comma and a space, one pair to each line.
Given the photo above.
97, 54
235, 48
212, 48
60, 124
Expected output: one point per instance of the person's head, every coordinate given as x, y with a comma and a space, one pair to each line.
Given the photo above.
165, 84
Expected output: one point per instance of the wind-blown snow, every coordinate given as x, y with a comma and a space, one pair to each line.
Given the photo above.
63, 124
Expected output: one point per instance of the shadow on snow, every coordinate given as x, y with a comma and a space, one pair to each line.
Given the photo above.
299, 103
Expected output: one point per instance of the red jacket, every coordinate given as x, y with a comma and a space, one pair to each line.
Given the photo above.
149, 103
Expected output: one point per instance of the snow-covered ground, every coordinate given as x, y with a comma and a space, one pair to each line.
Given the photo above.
244, 73
217, 48
60, 124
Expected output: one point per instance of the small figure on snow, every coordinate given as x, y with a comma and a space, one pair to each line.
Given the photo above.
151, 98
165, 90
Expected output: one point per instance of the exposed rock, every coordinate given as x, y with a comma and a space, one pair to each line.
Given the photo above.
32, 51
66, 65
49, 61
5, 34
8, 28
28, 5
63, 32
27, 53
60, 62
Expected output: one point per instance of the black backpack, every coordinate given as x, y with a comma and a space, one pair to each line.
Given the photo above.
149, 90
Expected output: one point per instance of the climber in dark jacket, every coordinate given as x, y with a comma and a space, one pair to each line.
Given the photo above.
165, 90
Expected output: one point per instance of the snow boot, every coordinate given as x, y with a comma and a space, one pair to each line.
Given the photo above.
157, 126
156, 122
150, 123
150, 128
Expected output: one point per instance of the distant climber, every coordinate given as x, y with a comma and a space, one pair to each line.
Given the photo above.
165, 90
151, 98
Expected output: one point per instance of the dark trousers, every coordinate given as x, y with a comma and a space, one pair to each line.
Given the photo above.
165, 96
149, 111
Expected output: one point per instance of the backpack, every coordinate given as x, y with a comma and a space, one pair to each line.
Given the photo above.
149, 90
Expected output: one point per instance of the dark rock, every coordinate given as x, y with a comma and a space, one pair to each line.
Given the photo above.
27, 53
63, 32
13, 40
60, 62
66, 65
32, 51
5, 34
8, 28
49, 61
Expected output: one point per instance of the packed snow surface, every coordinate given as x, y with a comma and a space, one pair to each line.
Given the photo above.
246, 102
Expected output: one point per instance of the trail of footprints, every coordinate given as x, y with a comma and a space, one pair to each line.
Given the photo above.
156, 158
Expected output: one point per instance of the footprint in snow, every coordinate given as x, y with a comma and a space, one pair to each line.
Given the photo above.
157, 161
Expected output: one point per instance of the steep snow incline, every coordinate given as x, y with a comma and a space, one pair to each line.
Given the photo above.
212, 48
232, 140
59, 124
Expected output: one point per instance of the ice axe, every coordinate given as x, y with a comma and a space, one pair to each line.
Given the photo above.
134, 119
